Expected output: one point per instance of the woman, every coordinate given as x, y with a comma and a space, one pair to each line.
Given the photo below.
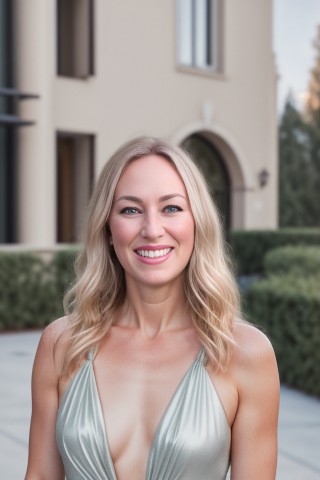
152, 376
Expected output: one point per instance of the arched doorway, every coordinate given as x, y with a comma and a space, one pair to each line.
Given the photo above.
213, 167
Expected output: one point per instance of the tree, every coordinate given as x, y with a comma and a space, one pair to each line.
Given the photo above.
312, 113
313, 93
299, 200
299, 155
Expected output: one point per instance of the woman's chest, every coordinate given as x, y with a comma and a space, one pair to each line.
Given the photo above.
134, 399
150, 421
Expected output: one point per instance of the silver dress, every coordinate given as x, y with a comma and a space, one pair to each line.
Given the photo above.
192, 441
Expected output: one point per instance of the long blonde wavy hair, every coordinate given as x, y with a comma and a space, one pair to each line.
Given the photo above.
94, 300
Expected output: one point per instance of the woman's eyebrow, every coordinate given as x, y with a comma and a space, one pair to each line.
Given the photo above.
132, 198
171, 195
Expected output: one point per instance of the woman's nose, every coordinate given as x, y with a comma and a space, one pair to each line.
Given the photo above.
152, 226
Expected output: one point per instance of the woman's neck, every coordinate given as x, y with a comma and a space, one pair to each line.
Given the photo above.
155, 309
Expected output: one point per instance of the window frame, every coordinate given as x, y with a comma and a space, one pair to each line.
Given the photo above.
60, 67
214, 46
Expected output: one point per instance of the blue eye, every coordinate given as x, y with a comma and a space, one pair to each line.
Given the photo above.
172, 209
129, 211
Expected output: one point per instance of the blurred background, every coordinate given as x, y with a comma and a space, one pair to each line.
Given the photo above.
235, 83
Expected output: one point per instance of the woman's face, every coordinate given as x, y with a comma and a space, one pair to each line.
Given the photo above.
151, 223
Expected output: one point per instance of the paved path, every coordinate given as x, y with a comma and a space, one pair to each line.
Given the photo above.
299, 428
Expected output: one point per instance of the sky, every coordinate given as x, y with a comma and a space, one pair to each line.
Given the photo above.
294, 29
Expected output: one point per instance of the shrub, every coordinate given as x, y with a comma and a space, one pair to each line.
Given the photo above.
26, 291
294, 260
249, 247
288, 310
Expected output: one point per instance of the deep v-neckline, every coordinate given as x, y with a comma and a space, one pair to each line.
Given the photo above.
162, 417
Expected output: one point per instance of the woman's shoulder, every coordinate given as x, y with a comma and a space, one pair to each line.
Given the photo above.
57, 327
250, 339
253, 351
55, 330
52, 339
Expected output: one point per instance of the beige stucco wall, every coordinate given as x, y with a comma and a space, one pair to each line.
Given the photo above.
34, 43
138, 89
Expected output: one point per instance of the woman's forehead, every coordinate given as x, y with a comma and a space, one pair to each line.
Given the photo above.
150, 173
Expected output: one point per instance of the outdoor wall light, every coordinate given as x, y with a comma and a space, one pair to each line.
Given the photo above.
263, 176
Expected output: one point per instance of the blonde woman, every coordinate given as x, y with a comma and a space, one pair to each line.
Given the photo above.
151, 375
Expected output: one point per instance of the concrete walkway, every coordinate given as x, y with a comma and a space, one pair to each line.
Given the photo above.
299, 428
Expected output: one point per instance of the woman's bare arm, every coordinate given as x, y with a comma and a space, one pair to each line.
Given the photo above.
254, 432
44, 462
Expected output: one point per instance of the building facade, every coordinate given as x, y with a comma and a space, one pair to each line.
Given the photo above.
86, 75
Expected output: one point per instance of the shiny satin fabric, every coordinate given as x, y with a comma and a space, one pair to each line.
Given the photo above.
192, 441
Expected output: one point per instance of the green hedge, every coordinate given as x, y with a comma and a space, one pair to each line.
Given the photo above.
288, 310
27, 293
294, 260
32, 290
249, 247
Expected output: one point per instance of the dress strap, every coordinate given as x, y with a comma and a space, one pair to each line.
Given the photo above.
202, 356
92, 354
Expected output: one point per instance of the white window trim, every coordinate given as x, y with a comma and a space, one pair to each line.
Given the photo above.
216, 68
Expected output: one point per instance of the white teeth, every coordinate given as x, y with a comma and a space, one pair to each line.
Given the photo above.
154, 253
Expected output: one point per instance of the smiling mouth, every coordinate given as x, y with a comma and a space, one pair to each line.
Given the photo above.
153, 253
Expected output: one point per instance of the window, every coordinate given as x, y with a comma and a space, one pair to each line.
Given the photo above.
75, 38
199, 34
75, 168
7, 140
